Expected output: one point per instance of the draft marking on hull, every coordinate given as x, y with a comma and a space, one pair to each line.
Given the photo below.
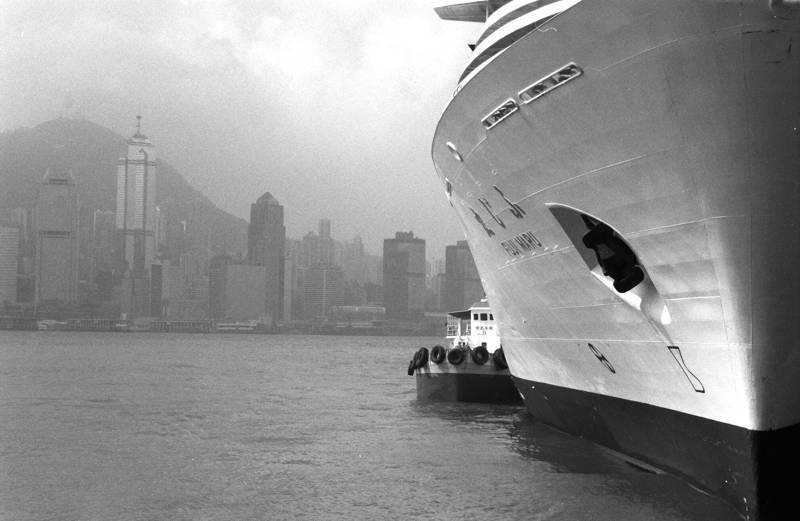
697, 385
601, 358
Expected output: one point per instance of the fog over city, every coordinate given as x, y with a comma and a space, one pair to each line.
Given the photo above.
328, 105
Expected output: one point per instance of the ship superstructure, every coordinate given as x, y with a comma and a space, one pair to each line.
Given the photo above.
626, 172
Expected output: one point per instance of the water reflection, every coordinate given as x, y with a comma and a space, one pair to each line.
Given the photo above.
624, 490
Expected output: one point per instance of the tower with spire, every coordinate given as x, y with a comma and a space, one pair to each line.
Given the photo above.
136, 220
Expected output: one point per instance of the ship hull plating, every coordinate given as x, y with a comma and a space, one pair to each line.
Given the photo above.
748, 469
681, 135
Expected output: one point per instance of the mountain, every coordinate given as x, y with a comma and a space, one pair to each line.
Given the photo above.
90, 152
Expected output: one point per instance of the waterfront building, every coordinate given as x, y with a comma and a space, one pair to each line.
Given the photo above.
173, 291
462, 285
293, 276
136, 222
156, 290
103, 245
236, 290
56, 249
355, 262
357, 315
136, 197
22, 218
404, 276
323, 287
288, 285
266, 247
85, 257
9, 252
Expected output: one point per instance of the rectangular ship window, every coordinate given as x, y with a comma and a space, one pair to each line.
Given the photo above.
556, 79
500, 113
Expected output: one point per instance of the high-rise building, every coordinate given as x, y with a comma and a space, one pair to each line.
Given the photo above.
325, 228
319, 248
266, 239
174, 292
136, 202
354, 261
9, 252
56, 250
294, 271
103, 243
404, 276
136, 222
236, 291
288, 285
462, 286
26, 281
323, 288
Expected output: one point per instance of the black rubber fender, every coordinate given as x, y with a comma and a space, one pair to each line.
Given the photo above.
421, 357
499, 358
479, 355
456, 355
438, 354
411, 368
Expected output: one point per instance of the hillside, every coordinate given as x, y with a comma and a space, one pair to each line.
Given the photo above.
90, 152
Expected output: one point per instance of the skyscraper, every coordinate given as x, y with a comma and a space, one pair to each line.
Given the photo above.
319, 248
326, 246
404, 275
323, 288
462, 285
136, 223
136, 198
56, 223
9, 251
236, 291
103, 245
266, 237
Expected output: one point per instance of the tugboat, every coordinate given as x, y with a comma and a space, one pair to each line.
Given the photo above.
472, 369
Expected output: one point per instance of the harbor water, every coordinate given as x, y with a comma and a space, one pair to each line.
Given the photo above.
148, 426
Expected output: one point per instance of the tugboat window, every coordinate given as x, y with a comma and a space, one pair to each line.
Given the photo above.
484, 316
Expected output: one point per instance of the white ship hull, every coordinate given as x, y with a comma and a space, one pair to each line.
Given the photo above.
681, 132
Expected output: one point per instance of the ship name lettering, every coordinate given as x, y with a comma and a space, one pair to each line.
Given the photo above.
521, 243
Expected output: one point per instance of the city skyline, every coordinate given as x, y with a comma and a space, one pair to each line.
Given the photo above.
327, 105
129, 260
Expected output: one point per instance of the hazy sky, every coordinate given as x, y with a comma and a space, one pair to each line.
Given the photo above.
330, 105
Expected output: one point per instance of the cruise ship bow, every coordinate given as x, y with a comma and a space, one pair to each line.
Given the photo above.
627, 173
